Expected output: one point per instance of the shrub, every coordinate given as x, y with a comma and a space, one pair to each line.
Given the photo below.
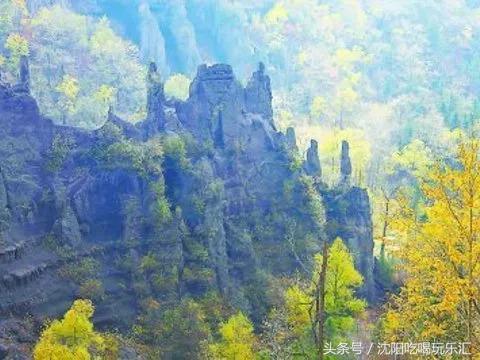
92, 289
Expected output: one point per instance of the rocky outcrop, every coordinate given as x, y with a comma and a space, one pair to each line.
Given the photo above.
312, 164
66, 227
258, 94
4, 206
24, 83
348, 215
345, 164
203, 189
152, 41
155, 103
12, 252
23, 276
291, 139
178, 35
16, 338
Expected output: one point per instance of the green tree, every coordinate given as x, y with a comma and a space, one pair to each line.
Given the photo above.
326, 309
415, 158
63, 42
342, 280
92, 289
11, 12
237, 340
175, 333
317, 108
117, 65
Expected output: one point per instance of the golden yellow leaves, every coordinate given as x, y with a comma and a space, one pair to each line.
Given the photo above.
177, 86
297, 305
237, 339
105, 94
17, 46
69, 90
441, 252
72, 338
276, 15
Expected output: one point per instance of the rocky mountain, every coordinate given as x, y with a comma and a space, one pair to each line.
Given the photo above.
203, 195
177, 35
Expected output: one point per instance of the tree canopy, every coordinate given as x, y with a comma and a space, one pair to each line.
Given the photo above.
72, 338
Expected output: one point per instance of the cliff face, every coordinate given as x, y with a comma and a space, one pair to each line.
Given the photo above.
204, 194
177, 35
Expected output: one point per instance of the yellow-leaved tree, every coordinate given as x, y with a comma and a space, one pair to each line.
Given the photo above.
440, 257
68, 90
17, 46
237, 340
276, 15
177, 86
72, 338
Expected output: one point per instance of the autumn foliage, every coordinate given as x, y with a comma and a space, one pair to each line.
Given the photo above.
72, 338
440, 255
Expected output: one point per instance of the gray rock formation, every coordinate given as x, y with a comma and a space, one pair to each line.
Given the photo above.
155, 102
152, 42
312, 164
4, 206
24, 74
258, 94
348, 216
216, 206
345, 164
291, 139
178, 33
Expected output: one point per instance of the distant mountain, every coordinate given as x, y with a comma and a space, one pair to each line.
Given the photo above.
178, 35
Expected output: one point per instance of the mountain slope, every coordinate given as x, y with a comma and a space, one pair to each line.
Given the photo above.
203, 195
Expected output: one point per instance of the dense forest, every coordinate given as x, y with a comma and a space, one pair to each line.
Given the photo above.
227, 179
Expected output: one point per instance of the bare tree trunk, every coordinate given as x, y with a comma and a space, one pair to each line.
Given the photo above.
385, 223
320, 302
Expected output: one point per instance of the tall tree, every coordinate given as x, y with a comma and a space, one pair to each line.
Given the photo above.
72, 338
325, 310
173, 332
440, 256
237, 340
68, 90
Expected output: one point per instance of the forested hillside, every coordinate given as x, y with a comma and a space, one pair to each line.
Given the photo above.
223, 179
381, 75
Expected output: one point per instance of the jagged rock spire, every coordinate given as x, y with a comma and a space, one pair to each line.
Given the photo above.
345, 164
155, 99
213, 83
110, 113
312, 165
258, 94
291, 138
24, 84
156, 96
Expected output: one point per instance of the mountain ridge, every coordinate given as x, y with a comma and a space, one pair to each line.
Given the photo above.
205, 190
